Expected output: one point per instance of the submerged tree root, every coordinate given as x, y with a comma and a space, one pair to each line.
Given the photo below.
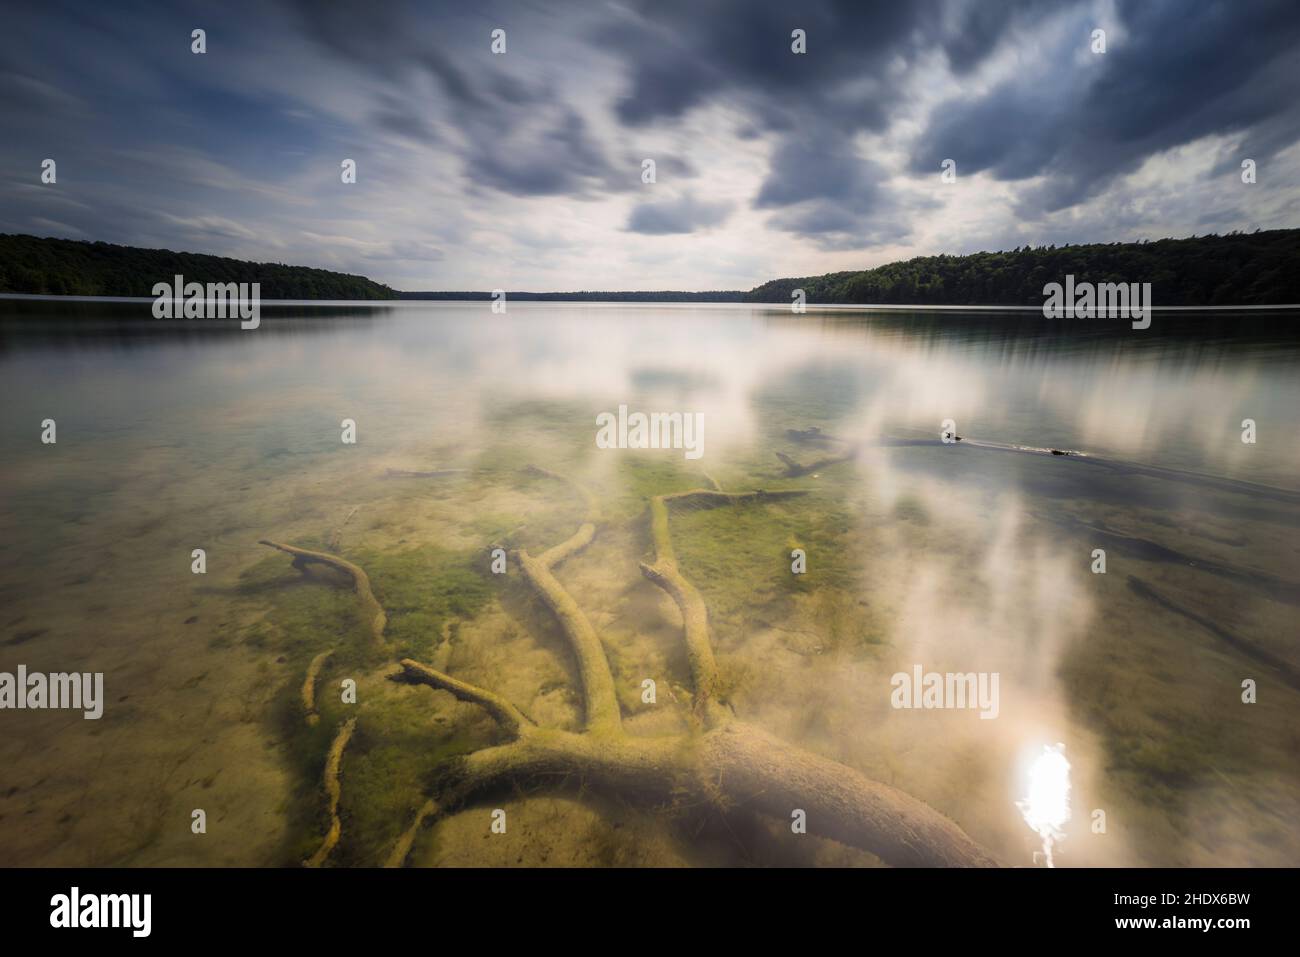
846, 451
601, 703
793, 468
333, 790
723, 763
397, 857
735, 766
309, 686
375, 616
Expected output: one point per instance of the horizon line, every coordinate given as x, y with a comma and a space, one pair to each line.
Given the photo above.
47, 297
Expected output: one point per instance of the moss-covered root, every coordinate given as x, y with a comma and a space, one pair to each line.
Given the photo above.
600, 702
735, 765
333, 790
502, 711
370, 607
730, 765
510, 718
309, 686
695, 618
402, 848
586, 531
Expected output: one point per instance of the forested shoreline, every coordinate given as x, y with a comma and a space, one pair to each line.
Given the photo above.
1238, 269
66, 267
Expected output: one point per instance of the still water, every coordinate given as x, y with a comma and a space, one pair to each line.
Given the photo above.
978, 556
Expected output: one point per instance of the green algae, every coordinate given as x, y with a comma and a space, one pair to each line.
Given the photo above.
740, 557
395, 748
422, 589
308, 612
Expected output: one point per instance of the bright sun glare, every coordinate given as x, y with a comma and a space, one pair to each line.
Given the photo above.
1046, 807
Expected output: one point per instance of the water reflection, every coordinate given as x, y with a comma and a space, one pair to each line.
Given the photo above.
964, 557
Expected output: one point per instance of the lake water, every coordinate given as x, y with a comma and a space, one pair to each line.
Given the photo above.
974, 556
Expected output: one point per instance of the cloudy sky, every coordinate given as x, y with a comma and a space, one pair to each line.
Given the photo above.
523, 170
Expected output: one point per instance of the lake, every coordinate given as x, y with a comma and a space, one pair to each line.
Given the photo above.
954, 557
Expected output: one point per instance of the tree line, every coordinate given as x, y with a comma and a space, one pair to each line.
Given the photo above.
1246, 269
65, 267
663, 295
1259, 268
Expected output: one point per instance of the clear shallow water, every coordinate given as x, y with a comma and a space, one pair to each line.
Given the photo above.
966, 557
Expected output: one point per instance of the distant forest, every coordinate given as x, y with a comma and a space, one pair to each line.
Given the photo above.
1260, 268
1244, 269
726, 295
65, 267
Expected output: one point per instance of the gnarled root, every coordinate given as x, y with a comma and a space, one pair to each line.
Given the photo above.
736, 765
397, 857
847, 451
370, 607
309, 686
333, 790
505, 714
724, 763
695, 617
602, 711
794, 469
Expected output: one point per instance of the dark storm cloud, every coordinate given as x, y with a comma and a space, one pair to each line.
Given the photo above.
818, 165
160, 147
680, 54
683, 215
982, 26
834, 195
809, 106
517, 136
1178, 72
1174, 73
559, 159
